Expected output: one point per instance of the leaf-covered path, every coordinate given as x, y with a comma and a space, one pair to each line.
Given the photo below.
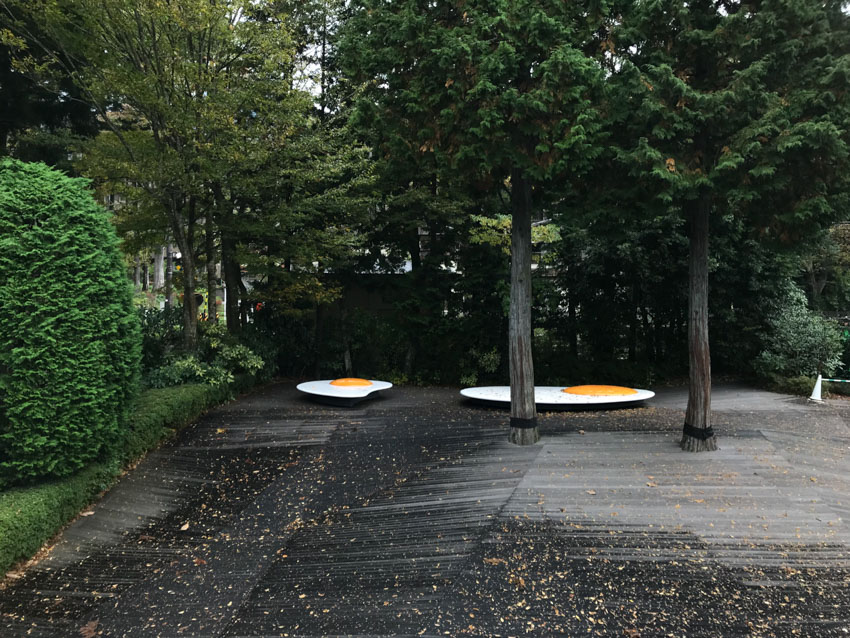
412, 515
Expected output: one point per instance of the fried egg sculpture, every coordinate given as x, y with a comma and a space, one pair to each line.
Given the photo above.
343, 392
554, 397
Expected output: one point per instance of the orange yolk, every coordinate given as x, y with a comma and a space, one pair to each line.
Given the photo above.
349, 382
599, 390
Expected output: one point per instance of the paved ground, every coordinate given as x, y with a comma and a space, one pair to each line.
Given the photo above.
413, 516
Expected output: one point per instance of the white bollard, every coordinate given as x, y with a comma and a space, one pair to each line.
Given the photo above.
816, 391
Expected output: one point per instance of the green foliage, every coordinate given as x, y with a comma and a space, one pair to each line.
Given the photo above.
488, 87
837, 388
41, 119
799, 341
800, 386
197, 106
69, 338
480, 363
746, 109
160, 334
187, 369
496, 231
157, 413
218, 359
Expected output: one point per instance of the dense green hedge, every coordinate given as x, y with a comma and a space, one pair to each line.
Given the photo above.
29, 516
69, 338
158, 413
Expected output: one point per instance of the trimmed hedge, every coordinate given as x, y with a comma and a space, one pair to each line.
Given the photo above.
29, 516
70, 344
159, 413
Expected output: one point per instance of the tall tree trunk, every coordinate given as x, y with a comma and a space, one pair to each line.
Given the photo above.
169, 276
190, 304
524, 430
146, 279
697, 435
212, 288
648, 343
232, 274
243, 302
137, 273
185, 238
572, 323
347, 363
159, 268
633, 322
412, 328
318, 327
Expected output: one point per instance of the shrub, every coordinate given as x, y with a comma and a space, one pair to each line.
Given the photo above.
799, 342
801, 385
161, 334
158, 412
187, 369
29, 516
219, 358
69, 338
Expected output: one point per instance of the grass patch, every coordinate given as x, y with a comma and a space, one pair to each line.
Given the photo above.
32, 515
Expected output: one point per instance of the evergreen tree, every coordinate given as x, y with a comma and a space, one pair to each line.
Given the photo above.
735, 108
499, 90
69, 346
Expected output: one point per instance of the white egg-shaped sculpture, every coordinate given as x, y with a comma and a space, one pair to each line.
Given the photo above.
555, 397
345, 392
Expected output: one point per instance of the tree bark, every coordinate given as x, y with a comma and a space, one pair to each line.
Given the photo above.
190, 305
318, 327
346, 340
243, 301
697, 435
232, 274
137, 273
212, 288
524, 430
159, 268
185, 238
572, 323
169, 276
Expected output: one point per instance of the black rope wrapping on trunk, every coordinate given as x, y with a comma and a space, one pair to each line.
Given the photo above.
703, 434
524, 424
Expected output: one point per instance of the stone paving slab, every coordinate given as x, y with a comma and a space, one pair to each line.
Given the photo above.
413, 516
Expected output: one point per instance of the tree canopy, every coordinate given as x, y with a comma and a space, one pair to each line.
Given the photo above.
336, 166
